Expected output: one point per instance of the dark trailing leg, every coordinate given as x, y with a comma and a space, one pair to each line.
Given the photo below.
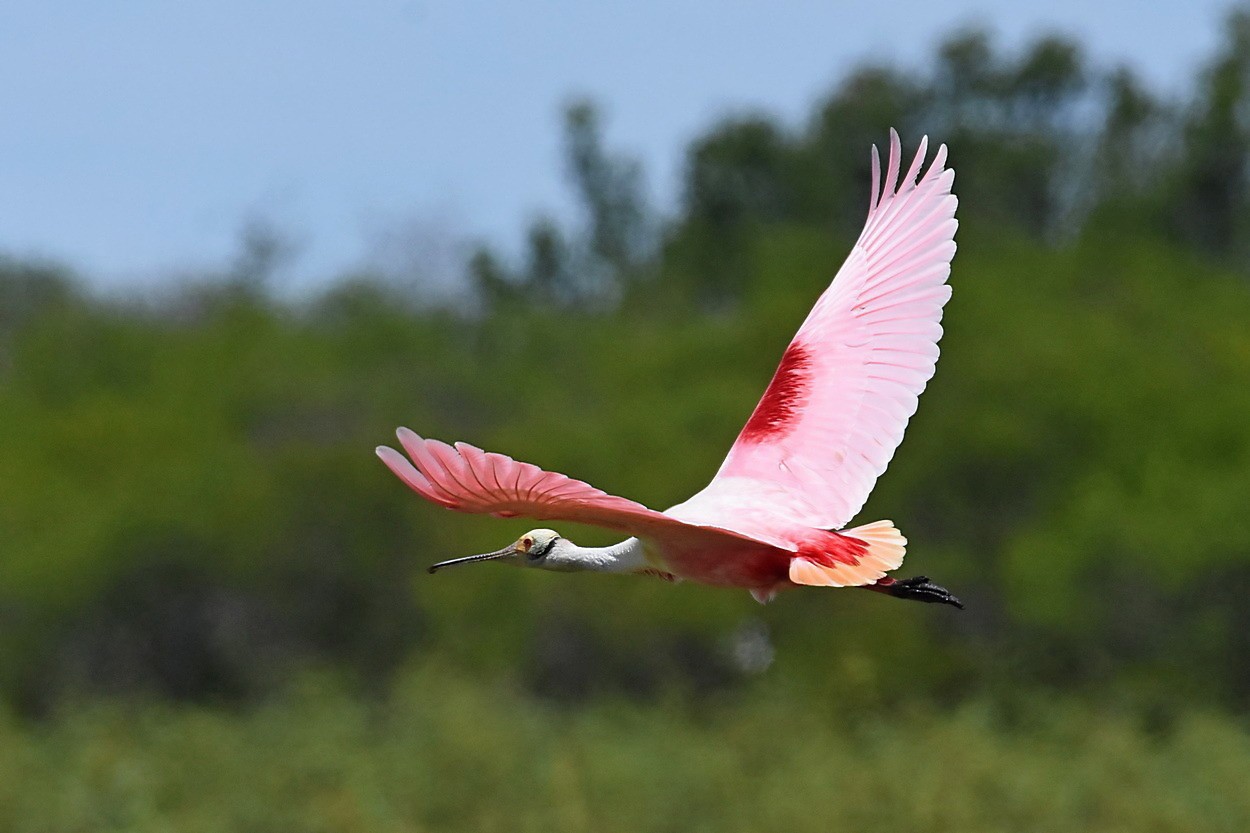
918, 589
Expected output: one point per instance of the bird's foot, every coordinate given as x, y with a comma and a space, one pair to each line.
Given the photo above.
918, 589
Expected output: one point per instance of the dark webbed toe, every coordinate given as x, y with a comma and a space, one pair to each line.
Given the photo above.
920, 589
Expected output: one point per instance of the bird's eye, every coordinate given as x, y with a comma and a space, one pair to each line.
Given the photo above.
528, 543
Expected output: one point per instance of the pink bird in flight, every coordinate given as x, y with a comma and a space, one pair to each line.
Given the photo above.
830, 420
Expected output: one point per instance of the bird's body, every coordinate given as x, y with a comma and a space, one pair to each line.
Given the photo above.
804, 463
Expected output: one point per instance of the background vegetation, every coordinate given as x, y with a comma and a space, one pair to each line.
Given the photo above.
213, 614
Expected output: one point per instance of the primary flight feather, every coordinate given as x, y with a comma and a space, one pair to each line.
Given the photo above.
807, 458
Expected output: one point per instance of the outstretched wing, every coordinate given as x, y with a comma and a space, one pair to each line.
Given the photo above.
835, 410
467, 479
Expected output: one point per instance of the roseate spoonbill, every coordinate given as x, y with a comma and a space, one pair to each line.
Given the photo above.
807, 458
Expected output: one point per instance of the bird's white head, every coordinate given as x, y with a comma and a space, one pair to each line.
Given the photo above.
543, 548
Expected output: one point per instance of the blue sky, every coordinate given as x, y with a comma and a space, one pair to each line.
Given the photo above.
137, 137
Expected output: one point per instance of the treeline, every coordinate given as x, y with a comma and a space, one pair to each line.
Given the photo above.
189, 503
1045, 143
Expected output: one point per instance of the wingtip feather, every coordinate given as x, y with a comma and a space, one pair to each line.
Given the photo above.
874, 196
891, 170
412, 477
917, 163
937, 166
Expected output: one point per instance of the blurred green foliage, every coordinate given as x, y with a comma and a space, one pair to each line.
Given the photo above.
189, 508
446, 753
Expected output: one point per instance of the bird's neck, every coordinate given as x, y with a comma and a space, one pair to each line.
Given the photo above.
626, 557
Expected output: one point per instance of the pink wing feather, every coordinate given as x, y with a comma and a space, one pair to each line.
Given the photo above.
467, 479
835, 410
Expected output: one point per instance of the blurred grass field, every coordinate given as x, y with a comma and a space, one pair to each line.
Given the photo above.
444, 752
